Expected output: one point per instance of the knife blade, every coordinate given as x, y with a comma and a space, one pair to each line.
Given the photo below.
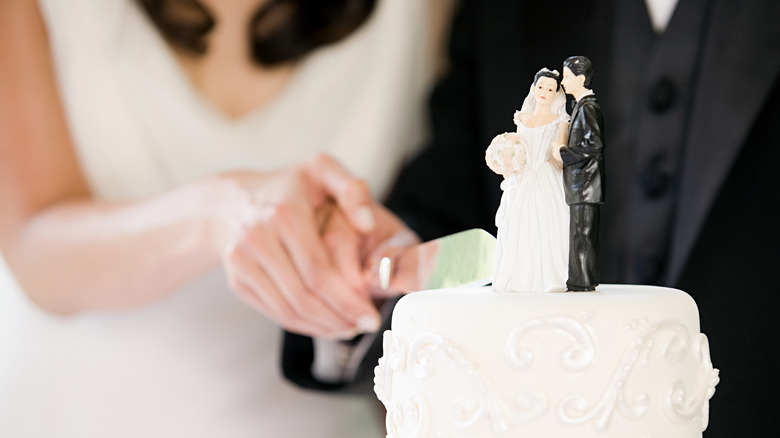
461, 259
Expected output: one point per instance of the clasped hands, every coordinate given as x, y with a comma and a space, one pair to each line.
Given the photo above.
555, 153
299, 246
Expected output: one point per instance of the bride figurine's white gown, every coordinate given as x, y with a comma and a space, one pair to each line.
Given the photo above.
533, 220
198, 363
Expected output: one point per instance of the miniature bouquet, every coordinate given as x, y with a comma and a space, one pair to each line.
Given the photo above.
506, 154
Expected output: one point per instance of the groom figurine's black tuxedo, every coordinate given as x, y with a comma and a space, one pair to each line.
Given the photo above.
583, 156
583, 183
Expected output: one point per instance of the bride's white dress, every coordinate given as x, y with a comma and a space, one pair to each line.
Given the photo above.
533, 220
198, 363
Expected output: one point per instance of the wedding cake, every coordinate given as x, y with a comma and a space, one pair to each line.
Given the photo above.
521, 358
621, 362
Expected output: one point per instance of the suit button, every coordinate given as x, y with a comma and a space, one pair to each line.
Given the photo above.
661, 95
655, 179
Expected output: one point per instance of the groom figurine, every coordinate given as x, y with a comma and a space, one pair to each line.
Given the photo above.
583, 175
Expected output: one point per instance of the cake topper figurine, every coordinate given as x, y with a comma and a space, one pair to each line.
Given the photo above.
583, 174
532, 219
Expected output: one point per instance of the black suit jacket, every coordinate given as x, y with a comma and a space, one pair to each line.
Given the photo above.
583, 155
721, 238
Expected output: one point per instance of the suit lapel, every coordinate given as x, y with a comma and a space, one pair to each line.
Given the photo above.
740, 62
573, 113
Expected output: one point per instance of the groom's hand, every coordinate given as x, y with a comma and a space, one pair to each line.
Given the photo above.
555, 153
357, 254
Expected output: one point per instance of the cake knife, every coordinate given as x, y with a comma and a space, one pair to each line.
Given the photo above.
461, 259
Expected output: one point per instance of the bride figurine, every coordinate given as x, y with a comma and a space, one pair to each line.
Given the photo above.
533, 218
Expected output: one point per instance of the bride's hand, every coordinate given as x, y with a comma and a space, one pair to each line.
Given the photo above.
273, 253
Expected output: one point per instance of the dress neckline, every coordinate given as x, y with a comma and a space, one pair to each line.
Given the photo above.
537, 126
520, 122
173, 74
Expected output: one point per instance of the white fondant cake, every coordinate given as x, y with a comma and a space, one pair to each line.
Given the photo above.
622, 362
